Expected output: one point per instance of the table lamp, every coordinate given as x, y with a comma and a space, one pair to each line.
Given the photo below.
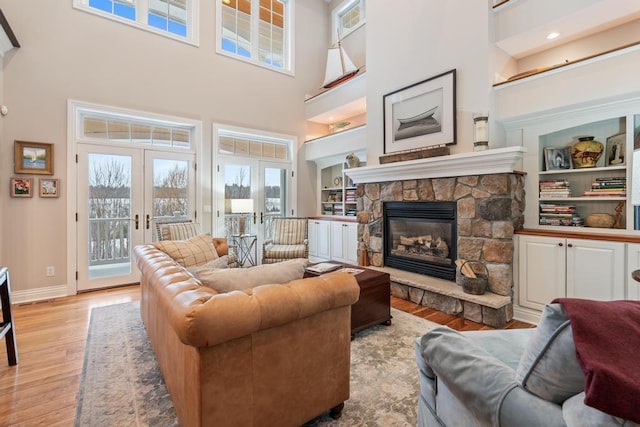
242, 207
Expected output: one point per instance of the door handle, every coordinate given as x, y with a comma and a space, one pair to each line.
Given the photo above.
261, 217
255, 215
148, 220
136, 220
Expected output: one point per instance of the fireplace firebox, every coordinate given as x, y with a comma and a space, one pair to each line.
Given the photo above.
421, 237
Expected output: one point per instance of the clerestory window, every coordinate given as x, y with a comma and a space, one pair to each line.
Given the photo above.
258, 31
348, 17
172, 18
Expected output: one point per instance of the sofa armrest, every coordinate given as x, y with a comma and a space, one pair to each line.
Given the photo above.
471, 374
267, 242
221, 246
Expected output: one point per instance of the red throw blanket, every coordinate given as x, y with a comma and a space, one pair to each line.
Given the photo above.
607, 339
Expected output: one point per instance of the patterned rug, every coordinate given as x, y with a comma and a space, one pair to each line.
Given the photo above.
121, 384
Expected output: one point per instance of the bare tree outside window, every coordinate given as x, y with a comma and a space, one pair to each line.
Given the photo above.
109, 208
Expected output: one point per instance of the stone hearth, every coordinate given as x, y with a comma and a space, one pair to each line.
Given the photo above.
490, 207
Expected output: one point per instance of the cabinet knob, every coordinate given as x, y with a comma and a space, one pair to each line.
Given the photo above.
569, 245
560, 244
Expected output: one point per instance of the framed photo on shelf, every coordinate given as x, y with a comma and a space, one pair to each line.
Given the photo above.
616, 150
49, 187
557, 158
33, 158
21, 187
421, 115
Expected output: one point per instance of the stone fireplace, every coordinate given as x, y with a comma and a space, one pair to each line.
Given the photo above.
421, 237
488, 195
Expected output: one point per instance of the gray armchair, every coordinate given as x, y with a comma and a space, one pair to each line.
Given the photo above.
288, 240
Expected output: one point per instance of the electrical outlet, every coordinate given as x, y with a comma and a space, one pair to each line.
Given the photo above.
51, 271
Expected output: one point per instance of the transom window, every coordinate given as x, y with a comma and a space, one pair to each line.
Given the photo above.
173, 18
348, 17
257, 31
252, 146
114, 128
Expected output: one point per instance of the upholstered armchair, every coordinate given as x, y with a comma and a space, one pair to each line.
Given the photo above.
288, 240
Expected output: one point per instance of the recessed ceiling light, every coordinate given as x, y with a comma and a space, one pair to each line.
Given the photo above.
552, 35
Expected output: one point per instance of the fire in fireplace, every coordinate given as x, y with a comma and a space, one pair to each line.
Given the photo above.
421, 237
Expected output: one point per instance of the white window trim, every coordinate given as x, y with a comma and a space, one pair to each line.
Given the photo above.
233, 131
289, 67
74, 128
335, 19
193, 14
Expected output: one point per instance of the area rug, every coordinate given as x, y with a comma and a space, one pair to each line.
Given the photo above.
121, 384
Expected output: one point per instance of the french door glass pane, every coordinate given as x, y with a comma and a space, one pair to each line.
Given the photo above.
109, 208
170, 188
275, 191
237, 186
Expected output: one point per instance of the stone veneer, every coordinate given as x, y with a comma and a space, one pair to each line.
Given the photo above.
490, 208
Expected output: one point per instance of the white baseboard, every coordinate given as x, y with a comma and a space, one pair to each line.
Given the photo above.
526, 314
32, 295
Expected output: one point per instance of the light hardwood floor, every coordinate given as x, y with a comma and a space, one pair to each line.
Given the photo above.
41, 390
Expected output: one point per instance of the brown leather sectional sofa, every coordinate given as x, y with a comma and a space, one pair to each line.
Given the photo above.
271, 355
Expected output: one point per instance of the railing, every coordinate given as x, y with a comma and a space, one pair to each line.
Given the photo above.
109, 241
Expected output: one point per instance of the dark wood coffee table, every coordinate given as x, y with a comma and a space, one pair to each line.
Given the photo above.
374, 306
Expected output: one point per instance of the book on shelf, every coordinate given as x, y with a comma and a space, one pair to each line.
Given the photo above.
605, 193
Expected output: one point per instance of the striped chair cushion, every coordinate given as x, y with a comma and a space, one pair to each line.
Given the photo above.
181, 231
285, 251
289, 231
198, 250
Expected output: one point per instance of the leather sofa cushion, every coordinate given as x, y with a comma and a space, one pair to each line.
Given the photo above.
238, 279
549, 367
196, 251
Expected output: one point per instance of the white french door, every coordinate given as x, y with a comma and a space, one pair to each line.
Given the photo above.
121, 193
265, 185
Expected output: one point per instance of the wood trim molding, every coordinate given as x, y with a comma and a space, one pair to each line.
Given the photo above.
573, 235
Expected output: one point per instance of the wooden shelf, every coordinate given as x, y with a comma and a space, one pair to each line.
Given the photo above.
568, 64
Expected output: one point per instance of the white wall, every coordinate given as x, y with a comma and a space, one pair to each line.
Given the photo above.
421, 39
70, 54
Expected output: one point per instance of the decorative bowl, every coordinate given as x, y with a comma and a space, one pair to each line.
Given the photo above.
600, 220
586, 152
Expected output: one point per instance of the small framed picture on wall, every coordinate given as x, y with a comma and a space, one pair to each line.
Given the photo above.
49, 187
21, 187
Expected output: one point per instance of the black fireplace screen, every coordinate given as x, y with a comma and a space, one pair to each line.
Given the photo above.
421, 237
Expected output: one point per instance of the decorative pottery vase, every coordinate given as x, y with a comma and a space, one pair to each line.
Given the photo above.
586, 152
600, 220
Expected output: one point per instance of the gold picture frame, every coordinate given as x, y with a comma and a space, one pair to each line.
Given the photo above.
33, 157
21, 187
49, 187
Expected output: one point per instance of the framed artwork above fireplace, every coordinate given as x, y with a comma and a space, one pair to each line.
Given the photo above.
421, 115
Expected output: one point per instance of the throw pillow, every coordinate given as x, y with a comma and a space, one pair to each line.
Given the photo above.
549, 367
195, 251
182, 231
238, 279
216, 264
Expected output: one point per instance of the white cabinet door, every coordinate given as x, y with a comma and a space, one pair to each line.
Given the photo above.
633, 263
319, 240
595, 269
344, 242
337, 241
541, 276
350, 241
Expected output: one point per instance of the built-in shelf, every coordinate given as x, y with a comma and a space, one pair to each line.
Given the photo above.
8, 39
499, 160
542, 71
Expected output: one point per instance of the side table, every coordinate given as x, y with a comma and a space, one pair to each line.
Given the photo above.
6, 327
247, 246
